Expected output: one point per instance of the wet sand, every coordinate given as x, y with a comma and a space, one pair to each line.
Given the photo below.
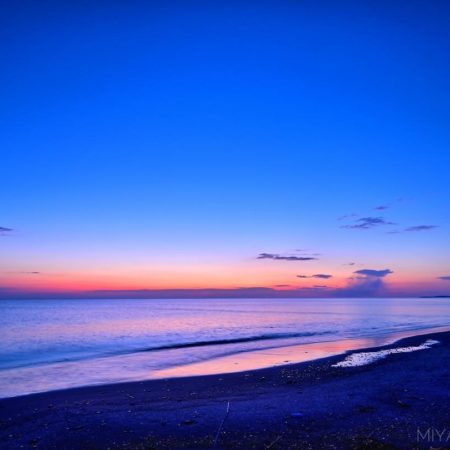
402, 401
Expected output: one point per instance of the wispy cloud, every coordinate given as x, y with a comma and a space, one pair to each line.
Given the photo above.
316, 287
25, 272
323, 276
347, 216
414, 228
445, 277
369, 222
277, 257
374, 273
365, 223
4, 231
421, 228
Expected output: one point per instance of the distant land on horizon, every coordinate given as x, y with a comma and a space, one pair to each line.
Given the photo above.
238, 293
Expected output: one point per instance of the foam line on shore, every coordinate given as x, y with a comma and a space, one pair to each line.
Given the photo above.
364, 358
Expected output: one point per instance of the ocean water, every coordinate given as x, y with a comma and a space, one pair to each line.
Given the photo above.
57, 344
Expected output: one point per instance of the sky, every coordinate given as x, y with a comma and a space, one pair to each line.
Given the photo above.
237, 149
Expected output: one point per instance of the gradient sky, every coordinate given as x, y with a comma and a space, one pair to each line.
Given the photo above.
198, 145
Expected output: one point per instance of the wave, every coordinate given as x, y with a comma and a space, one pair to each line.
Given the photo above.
179, 345
242, 340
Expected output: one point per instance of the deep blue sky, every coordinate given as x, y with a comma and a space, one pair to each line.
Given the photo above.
167, 144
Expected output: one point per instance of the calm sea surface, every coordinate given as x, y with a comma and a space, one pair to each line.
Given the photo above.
55, 344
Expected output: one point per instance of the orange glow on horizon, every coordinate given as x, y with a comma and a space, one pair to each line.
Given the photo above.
276, 276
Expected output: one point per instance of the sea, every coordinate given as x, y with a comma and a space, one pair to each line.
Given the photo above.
58, 344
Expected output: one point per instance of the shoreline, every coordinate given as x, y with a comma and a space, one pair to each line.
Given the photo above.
310, 404
269, 356
272, 357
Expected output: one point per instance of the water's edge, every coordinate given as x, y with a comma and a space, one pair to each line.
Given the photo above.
264, 359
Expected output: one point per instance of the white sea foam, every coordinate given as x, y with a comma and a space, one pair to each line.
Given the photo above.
361, 359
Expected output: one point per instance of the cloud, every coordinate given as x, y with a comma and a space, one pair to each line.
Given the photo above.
316, 287
4, 230
365, 223
374, 273
346, 216
323, 276
421, 228
284, 258
368, 283
446, 278
414, 228
282, 285
363, 287
381, 207
24, 272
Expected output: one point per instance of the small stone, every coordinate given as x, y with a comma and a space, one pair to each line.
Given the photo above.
188, 422
403, 404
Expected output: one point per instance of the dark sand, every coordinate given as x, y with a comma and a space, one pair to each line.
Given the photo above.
379, 406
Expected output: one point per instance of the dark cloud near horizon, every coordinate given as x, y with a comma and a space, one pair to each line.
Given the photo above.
365, 223
421, 228
369, 283
5, 230
316, 287
374, 273
285, 258
445, 278
323, 276
24, 272
363, 287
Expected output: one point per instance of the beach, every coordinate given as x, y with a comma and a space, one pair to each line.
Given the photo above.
401, 401
225, 225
